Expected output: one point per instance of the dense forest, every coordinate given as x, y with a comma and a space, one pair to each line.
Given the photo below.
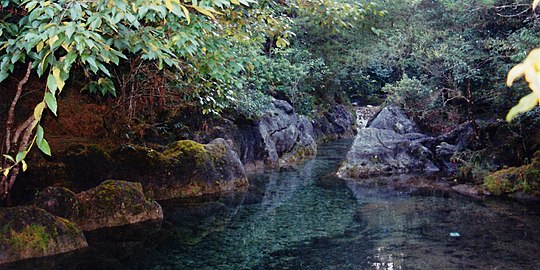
152, 73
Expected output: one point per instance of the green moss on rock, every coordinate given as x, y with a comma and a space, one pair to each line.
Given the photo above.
524, 179
112, 203
30, 232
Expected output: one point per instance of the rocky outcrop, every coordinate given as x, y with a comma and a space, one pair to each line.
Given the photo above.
279, 138
336, 123
390, 144
29, 232
379, 151
113, 203
393, 118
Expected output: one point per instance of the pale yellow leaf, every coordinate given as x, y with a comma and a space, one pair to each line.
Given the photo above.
535, 3
59, 82
24, 165
38, 111
169, 5
52, 40
186, 12
515, 73
525, 104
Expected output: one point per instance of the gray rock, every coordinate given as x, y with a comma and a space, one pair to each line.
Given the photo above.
31, 232
338, 122
113, 203
393, 118
380, 151
282, 136
444, 152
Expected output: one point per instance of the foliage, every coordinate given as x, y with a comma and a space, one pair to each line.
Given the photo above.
407, 92
291, 74
252, 104
54, 37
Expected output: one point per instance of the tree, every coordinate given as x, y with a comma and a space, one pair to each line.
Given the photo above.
54, 37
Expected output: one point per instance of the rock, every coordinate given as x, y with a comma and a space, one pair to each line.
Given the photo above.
30, 232
393, 118
278, 138
379, 151
286, 136
523, 179
444, 153
469, 190
113, 203
185, 169
338, 122
59, 201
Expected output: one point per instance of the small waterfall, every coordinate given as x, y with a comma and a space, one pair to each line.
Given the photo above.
364, 114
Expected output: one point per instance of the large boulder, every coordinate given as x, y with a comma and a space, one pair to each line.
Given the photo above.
30, 232
113, 203
393, 118
279, 138
338, 122
185, 169
379, 151
390, 144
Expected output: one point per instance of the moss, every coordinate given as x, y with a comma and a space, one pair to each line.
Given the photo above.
32, 236
516, 179
186, 148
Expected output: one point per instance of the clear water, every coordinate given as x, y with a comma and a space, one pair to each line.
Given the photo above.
308, 219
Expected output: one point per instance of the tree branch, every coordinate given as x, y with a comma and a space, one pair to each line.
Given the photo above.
11, 112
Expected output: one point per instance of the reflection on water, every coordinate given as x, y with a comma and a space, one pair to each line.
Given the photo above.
309, 219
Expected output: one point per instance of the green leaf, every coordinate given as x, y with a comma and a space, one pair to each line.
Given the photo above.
39, 134
50, 99
70, 29
20, 156
525, 104
44, 147
51, 83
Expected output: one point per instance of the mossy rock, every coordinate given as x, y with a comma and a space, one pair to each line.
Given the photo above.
524, 179
59, 201
30, 232
86, 166
113, 203
185, 169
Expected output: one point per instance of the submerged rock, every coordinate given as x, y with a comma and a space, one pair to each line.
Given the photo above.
113, 203
30, 232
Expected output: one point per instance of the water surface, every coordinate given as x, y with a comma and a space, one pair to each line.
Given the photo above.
306, 218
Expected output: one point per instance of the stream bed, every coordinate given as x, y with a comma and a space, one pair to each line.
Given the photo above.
306, 218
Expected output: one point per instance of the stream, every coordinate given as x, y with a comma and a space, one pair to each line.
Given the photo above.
306, 218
